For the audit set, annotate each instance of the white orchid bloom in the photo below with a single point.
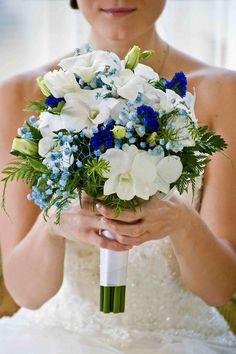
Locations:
(60, 82)
(179, 125)
(126, 83)
(146, 72)
(190, 103)
(86, 108)
(132, 173)
(45, 147)
(49, 123)
(88, 65)
(150, 95)
(167, 101)
(169, 169)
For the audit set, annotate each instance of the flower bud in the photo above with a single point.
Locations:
(152, 137)
(23, 146)
(118, 132)
(43, 87)
(132, 58)
(146, 54)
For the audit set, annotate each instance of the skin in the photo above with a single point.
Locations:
(204, 243)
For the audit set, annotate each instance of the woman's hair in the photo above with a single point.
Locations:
(73, 4)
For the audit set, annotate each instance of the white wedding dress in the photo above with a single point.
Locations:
(161, 317)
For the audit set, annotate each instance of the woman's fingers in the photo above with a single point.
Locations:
(131, 241)
(103, 242)
(132, 230)
(126, 216)
(86, 207)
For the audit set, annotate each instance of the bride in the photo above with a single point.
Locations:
(175, 281)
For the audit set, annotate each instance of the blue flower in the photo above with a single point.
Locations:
(79, 164)
(32, 120)
(52, 101)
(178, 83)
(103, 137)
(149, 117)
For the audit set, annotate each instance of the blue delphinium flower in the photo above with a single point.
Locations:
(52, 101)
(178, 83)
(103, 137)
(149, 117)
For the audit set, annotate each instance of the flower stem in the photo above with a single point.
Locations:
(117, 299)
(101, 298)
(122, 305)
(107, 299)
(112, 299)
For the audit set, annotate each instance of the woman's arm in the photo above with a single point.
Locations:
(208, 243)
(37, 257)
(33, 250)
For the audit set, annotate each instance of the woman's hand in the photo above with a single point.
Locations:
(155, 220)
(84, 224)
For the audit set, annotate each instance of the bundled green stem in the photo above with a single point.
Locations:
(112, 299)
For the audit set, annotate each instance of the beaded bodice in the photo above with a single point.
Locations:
(157, 302)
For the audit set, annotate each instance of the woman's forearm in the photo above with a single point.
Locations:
(207, 262)
(33, 270)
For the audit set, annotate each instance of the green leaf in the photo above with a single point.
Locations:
(58, 108)
(94, 177)
(37, 165)
(158, 84)
(112, 201)
(34, 131)
(209, 142)
(18, 169)
(36, 106)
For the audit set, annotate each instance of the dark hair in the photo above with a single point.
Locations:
(73, 4)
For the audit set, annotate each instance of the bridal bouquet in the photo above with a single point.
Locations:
(115, 130)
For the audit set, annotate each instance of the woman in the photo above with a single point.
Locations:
(52, 271)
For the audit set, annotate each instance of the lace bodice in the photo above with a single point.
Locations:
(157, 304)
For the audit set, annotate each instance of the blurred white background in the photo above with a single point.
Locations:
(33, 32)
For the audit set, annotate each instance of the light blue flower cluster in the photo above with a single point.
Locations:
(25, 132)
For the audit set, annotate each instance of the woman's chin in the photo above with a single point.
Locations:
(119, 35)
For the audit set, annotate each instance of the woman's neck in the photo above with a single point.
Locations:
(149, 40)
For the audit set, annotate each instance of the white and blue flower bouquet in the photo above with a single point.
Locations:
(115, 130)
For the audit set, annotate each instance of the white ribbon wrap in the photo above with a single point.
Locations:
(113, 265)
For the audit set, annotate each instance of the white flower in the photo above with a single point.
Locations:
(127, 84)
(146, 72)
(167, 101)
(132, 173)
(179, 125)
(190, 103)
(60, 82)
(88, 65)
(86, 108)
(150, 95)
(169, 169)
(45, 147)
(49, 123)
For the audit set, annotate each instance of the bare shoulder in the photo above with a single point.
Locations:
(215, 100)
(15, 93)
(23, 86)
(216, 91)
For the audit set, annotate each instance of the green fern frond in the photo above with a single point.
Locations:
(17, 170)
(112, 201)
(209, 142)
